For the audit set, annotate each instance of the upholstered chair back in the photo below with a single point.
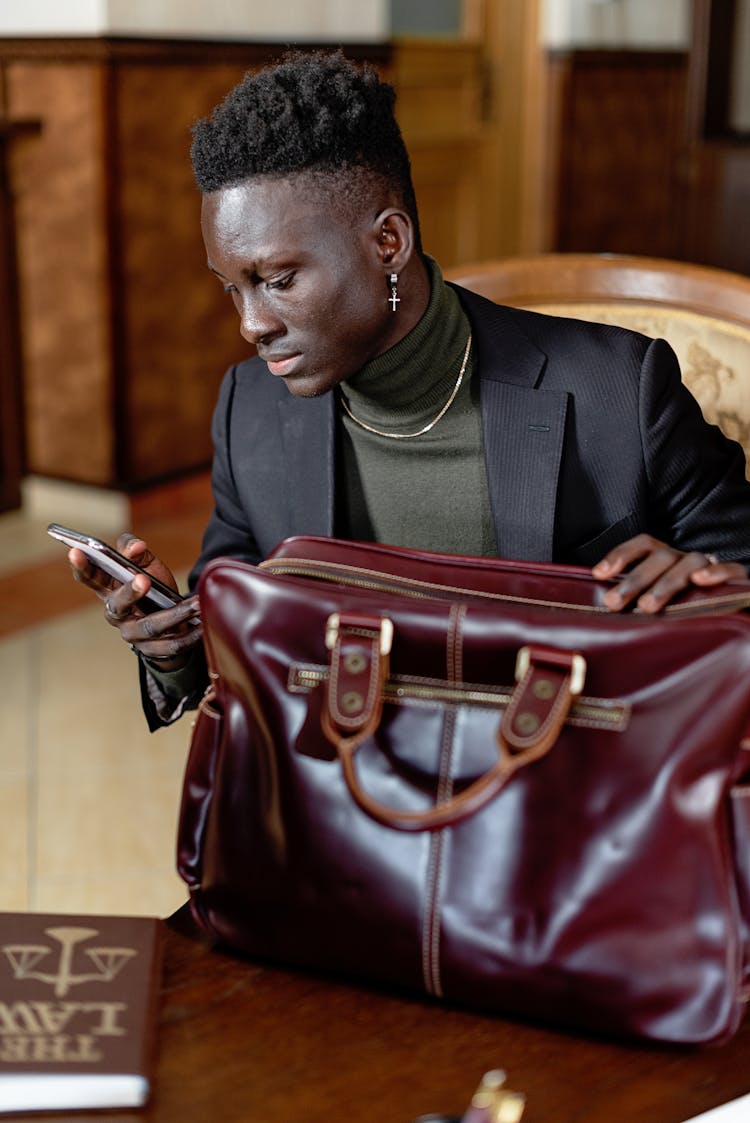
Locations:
(703, 312)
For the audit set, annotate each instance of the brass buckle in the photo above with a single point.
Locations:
(577, 669)
(333, 626)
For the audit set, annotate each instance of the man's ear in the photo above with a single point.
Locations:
(394, 238)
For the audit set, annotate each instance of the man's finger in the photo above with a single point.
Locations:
(652, 586)
(644, 578)
(718, 571)
(622, 556)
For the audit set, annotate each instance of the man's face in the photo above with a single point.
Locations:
(305, 278)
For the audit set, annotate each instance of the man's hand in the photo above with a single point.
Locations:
(167, 636)
(659, 573)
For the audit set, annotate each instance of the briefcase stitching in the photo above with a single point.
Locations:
(435, 873)
(435, 869)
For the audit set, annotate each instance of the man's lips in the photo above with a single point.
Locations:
(282, 364)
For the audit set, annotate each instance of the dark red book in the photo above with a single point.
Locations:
(78, 1005)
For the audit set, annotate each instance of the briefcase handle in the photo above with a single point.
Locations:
(547, 681)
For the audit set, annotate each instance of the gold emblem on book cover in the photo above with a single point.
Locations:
(106, 961)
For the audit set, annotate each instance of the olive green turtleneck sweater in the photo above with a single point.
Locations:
(430, 491)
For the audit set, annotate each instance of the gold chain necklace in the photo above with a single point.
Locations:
(430, 424)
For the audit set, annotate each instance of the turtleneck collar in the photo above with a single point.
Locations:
(409, 382)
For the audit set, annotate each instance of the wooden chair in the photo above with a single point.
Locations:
(703, 312)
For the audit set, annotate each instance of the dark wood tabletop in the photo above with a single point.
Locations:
(243, 1042)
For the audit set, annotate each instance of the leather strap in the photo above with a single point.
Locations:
(359, 647)
(548, 681)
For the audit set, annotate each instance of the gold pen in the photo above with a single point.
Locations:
(493, 1103)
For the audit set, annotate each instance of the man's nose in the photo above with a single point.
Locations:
(257, 321)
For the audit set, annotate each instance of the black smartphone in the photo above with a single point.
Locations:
(116, 565)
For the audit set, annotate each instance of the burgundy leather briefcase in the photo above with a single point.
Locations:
(466, 778)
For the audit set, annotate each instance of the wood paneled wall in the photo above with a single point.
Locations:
(719, 204)
(618, 137)
(638, 160)
(125, 336)
(62, 263)
(12, 436)
(718, 158)
(178, 330)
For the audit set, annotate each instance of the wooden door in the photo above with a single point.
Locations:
(471, 109)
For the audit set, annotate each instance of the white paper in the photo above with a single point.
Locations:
(736, 1111)
(43, 1092)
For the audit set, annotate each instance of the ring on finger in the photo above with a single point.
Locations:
(110, 610)
(712, 559)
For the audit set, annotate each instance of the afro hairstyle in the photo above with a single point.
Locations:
(314, 113)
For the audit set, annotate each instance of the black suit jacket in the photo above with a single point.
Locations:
(589, 438)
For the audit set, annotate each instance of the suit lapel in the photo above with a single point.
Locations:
(307, 432)
(523, 427)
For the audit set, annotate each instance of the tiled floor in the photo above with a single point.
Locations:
(88, 797)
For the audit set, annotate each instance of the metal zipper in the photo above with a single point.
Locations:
(592, 712)
(404, 586)
(373, 580)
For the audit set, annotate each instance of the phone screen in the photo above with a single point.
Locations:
(116, 565)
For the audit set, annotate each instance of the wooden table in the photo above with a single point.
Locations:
(240, 1042)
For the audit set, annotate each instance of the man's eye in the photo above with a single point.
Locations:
(281, 283)
(229, 288)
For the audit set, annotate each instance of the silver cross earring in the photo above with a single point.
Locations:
(394, 298)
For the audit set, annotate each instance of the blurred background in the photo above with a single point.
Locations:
(613, 126)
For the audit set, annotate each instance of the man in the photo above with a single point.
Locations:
(387, 405)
